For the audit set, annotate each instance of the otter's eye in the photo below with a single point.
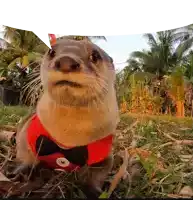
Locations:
(51, 53)
(95, 57)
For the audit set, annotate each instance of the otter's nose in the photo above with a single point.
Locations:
(67, 64)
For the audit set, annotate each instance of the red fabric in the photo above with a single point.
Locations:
(97, 151)
(52, 39)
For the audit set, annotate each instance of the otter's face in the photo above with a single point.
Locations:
(77, 73)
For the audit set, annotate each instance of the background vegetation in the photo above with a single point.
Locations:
(159, 80)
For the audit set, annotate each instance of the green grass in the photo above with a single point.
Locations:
(152, 133)
(155, 134)
(10, 115)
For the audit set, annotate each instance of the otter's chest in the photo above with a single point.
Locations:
(66, 158)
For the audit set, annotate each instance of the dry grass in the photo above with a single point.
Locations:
(160, 156)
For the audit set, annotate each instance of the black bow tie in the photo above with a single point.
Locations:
(76, 155)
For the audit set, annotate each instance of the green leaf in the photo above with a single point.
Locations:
(34, 56)
(12, 65)
(1, 73)
(149, 164)
(104, 195)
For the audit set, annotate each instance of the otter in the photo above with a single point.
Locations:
(76, 115)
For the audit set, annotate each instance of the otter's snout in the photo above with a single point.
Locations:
(67, 64)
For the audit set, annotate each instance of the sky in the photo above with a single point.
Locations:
(120, 47)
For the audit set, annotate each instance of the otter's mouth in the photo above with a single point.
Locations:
(68, 83)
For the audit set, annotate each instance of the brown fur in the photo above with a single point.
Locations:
(24, 153)
(76, 116)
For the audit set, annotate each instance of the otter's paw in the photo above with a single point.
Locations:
(20, 173)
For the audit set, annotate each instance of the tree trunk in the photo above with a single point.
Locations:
(180, 108)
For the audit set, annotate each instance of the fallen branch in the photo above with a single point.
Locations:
(7, 159)
(119, 174)
(3, 178)
(6, 135)
(169, 137)
(8, 128)
(177, 196)
(165, 145)
(130, 126)
(166, 135)
(186, 142)
(177, 142)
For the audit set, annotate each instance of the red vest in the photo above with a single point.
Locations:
(48, 152)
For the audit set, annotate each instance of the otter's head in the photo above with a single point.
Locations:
(77, 73)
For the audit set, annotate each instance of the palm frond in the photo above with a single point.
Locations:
(34, 57)
(13, 64)
(151, 40)
(3, 69)
(5, 42)
(140, 55)
(40, 48)
(184, 47)
(32, 90)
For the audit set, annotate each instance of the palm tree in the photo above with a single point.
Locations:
(25, 44)
(188, 66)
(166, 52)
(125, 76)
(188, 79)
(22, 49)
